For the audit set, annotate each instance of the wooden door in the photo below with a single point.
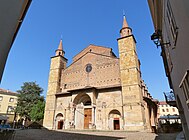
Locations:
(116, 124)
(60, 124)
(87, 117)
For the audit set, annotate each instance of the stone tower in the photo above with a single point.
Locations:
(58, 63)
(132, 98)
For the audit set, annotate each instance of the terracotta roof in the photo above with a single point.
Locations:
(60, 47)
(125, 24)
(95, 49)
(162, 103)
(5, 91)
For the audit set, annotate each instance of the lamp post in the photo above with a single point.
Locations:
(157, 38)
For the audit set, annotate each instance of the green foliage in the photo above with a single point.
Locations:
(37, 111)
(29, 95)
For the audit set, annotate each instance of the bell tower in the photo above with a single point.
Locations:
(58, 63)
(133, 110)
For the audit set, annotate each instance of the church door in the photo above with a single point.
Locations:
(60, 124)
(87, 117)
(116, 124)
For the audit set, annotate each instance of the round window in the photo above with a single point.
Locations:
(88, 68)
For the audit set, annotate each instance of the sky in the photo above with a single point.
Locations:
(80, 23)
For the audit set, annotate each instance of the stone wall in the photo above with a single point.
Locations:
(131, 84)
(105, 71)
(108, 100)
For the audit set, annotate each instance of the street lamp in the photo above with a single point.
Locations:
(156, 37)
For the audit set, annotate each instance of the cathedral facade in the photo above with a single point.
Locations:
(99, 90)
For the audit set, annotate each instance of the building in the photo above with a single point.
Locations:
(167, 112)
(99, 90)
(8, 102)
(171, 20)
(12, 14)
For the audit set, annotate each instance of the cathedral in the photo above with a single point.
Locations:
(99, 90)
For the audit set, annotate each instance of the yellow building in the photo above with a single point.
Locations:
(8, 102)
(165, 111)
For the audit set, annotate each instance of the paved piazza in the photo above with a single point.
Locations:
(43, 134)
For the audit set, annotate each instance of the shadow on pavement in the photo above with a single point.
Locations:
(166, 136)
(77, 136)
(43, 134)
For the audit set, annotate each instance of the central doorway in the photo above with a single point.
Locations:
(83, 111)
(87, 117)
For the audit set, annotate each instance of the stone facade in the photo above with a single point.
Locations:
(99, 90)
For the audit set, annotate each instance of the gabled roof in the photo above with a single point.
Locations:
(95, 49)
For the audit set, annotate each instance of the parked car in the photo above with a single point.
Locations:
(5, 127)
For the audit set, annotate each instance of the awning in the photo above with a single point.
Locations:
(169, 117)
(3, 117)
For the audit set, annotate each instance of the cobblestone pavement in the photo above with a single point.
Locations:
(43, 134)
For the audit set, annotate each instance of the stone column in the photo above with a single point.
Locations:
(93, 117)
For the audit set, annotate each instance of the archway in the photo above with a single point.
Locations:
(114, 119)
(83, 112)
(82, 98)
(60, 121)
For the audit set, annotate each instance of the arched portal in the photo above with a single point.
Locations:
(82, 98)
(59, 121)
(114, 119)
(83, 111)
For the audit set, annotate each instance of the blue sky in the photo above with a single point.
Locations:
(80, 22)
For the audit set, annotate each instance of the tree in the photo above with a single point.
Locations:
(28, 96)
(37, 111)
